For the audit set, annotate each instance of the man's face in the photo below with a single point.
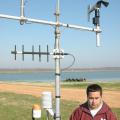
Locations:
(94, 99)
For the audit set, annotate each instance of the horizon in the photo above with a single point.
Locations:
(90, 68)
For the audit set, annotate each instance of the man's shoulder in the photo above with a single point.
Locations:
(106, 107)
(108, 111)
(82, 107)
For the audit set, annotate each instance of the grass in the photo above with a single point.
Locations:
(105, 85)
(19, 107)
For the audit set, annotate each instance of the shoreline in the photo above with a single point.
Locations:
(62, 81)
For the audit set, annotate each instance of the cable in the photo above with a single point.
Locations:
(71, 63)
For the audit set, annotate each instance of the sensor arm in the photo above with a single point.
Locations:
(50, 23)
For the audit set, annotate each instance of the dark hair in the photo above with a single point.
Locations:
(94, 88)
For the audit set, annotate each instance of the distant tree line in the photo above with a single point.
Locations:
(75, 80)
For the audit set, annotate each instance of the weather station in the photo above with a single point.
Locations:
(57, 53)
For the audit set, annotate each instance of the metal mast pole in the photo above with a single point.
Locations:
(57, 64)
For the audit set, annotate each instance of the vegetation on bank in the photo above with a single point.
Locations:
(19, 107)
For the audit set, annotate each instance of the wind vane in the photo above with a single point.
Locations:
(57, 52)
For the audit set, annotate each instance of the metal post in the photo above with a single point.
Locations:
(97, 17)
(57, 65)
(47, 114)
(22, 8)
(22, 17)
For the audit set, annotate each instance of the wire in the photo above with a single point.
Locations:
(71, 63)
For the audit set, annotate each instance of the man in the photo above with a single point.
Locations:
(95, 108)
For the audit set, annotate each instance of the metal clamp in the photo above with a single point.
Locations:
(58, 53)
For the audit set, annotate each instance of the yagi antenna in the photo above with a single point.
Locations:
(33, 53)
(39, 53)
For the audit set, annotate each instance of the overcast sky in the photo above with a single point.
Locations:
(82, 44)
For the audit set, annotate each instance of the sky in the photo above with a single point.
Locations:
(81, 44)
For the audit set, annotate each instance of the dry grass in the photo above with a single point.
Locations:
(111, 97)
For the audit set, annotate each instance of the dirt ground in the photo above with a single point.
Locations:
(110, 97)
